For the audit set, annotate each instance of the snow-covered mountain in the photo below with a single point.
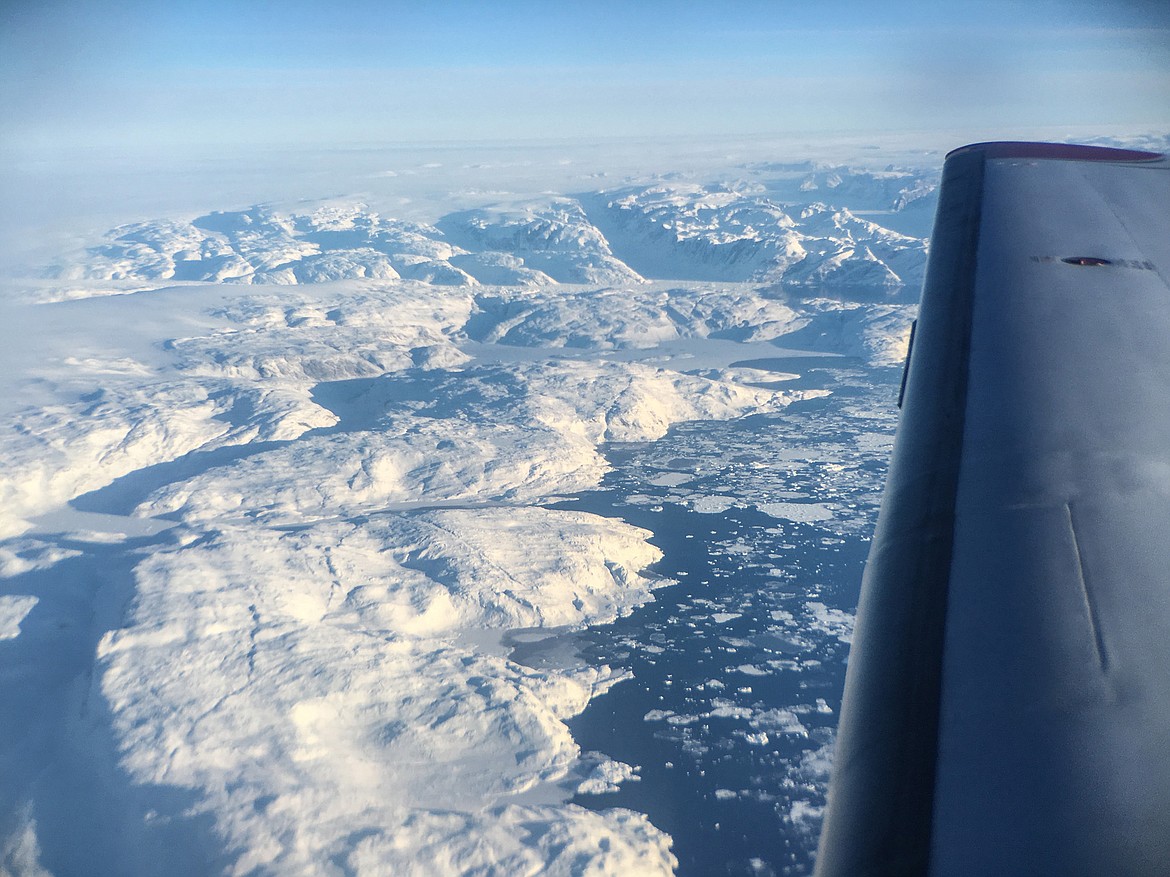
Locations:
(677, 231)
(270, 515)
(355, 481)
(857, 188)
(901, 199)
(258, 245)
(691, 231)
(554, 238)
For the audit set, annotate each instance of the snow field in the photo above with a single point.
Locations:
(306, 685)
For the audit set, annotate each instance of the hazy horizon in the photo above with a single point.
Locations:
(141, 74)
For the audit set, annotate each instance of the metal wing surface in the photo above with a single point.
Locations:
(1007, 705)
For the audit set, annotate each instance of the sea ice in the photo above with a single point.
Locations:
(797, 511)
(607, 776)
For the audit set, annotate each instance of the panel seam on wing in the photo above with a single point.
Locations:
(1091, 612)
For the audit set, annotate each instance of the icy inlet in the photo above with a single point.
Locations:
(280, 484)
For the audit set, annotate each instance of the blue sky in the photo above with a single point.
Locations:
(215, 74)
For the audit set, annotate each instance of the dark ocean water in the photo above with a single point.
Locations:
(738, 669)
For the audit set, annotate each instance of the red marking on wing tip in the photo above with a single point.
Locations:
(1064, 151)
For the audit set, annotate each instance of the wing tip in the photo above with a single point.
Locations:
(1060, 151)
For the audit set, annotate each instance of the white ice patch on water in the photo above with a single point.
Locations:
(751, 670)
(712, 505)
(834, 622)
(805, 512)
(805, 815)
(13, 611)
(727, 709)
(724, 617)
(607, 777)
(671, 479)
(778, 721)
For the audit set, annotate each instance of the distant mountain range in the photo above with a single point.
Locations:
(779, 233)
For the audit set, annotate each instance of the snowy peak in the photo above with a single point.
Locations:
(692, 232)
(554, 238)
(258, 245)
(857, 188)
(609, 319)
(538, 245)
(556, 226)
(668, 230)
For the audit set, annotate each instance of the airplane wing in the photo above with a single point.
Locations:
(1007, 703)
